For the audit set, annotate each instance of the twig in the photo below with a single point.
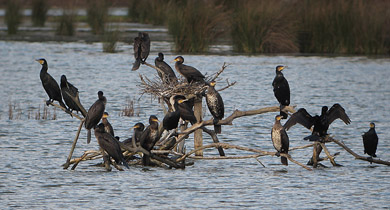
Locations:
(66, 165)
(65, 110)
(331, 159)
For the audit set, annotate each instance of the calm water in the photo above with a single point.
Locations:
(34, 150)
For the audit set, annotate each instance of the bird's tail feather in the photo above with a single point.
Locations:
(284, 161)
(89, 136)
(136, 64)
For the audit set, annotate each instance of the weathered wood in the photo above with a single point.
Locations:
(198, 138)
(315, 155)
(215, 139)
(331, 158)
(66, 165)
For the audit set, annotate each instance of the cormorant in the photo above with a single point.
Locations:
(138, 129)
(108, 143)
(188, 72)
(215, 104)
(321, 123)
(94, 114)
(169, 74)
(70, 93)
(370, 141)
(141, 49)
(281, 90)
(171, 119)
(107, 125)
(280, 139)
(50, 85)
(186, 112)
(149, 138)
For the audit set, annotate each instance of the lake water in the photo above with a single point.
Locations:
(33, 151)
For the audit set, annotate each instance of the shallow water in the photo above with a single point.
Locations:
(34, 150)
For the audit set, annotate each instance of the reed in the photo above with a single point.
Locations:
(97, 14)
(13, 16)
(263, 27)
(110, 39)
(194, 25)
(148, 11)
(129, 109)
(14, 111)
(66, 25)
(39, 12)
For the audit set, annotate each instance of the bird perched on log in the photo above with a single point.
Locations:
(172, 117)
(370, 141)
(281, 90)
(141, 49)
(94, 114)
(321, 123)
(169, 75)
(280, 139)
(138, 129)
(71, 96)
(109, 144)
(188, 72)
(107, 125)
(185, 110)
(50, 85)
(215, 104)
(149, 138)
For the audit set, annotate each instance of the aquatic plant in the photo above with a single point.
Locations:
(194, 25)
(97, 14)
(66, 25)
(39, 12)
(263, 27)
(13, 15)
(148, 11)
(129, 109)
(110, 39)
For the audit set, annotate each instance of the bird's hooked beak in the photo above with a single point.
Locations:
(39, 61)
(155, 120)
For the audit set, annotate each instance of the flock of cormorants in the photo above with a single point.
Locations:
(182, 108)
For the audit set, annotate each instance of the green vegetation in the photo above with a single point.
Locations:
(66, 25)
(97, 13)
(39, 12)
(13, 16)
(110, 38)
(148, 11)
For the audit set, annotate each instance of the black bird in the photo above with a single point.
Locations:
(215, 104)
(281, 90)
(171, 119)
(71, 96)
(94, 114)
(169, 76)
(50, 85)
(107, 125)
(370, 141)
(149, 138)
(321, 123)
(280, 139)
(141, 49)
(111, 145)
(185, 110)
(138, 129)
(188, 72)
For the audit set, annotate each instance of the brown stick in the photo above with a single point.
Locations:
(331, 158)
(359, 157)
(66, 165)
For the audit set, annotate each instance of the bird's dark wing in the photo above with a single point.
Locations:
(337, 111)
(192, 72)
(137, 47)
(302, 117)
(145, 47)
(285, 141)
(144, 139)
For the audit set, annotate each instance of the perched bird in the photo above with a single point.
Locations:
(168, 76)
(107, 125)
(281, 90)
(141, 49)
(185, 110)
(321, 123)
(149, 138)
(370, 141)
(280, 139)
(171, 119)
(94, 114)
(215, 104)
(50, 85)
(138, 129)
(71, 96)
(188, 72)
(109, 144)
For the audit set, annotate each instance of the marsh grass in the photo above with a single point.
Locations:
(262, 27)
(42, 114)
(13, 15)
(129, 109)
(14, 111)
(148, 11)
(110, 39)
(194, 25)
(39, 12)
(97, 15)
(66, 23)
